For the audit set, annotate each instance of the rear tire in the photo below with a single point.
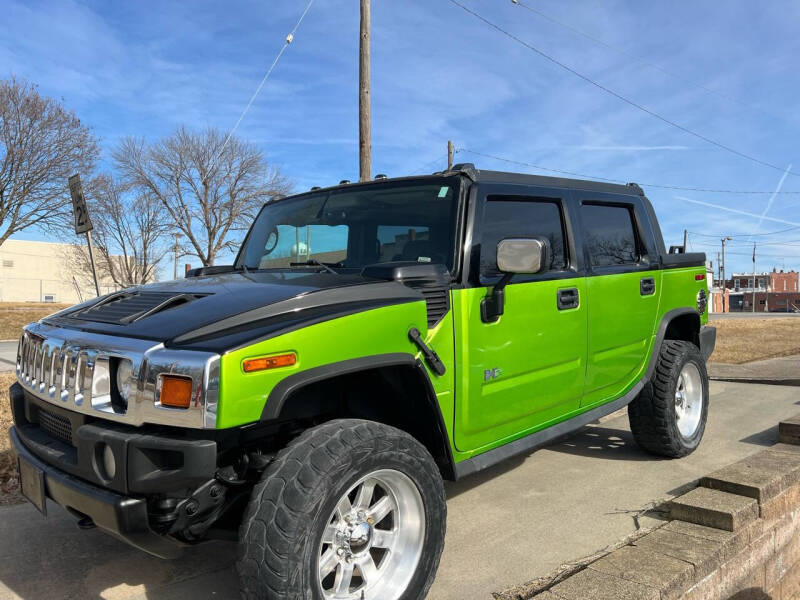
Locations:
(348, 507)
(668, 417)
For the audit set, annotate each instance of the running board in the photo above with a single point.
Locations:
(541, 438)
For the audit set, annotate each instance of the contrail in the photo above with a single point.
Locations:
(771, 198)
(738, 212)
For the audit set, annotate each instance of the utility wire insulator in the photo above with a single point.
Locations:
(289, 38)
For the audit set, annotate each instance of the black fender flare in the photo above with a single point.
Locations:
(662, 331)
(281, 393)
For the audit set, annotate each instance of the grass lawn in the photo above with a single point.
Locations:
(9, 483)
(745, 340)
(15, 315)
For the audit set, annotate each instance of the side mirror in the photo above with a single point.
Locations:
(514, 255)
(523, 255)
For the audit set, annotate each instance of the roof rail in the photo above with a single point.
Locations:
(467, 169)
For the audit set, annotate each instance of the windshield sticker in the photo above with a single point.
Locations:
(425, 259)
(443, 191)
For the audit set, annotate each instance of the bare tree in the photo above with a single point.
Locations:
(41, 145)
(210, 189)
(130, 230)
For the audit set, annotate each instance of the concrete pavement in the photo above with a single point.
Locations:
(784, 370)
(8, 355)
(511, 524)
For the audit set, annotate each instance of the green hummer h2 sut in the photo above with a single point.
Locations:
(369, 341)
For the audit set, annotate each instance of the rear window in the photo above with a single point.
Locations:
(610, 235)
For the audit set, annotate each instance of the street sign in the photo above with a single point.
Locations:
(80, 212)
(83, 224)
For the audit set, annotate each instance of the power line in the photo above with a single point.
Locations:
(710, 235)
(620, 96)
(287, 41)
(597, 178)
(426, 167)
(639, 59)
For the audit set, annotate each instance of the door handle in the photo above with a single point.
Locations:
(647, 286)
(568, 298)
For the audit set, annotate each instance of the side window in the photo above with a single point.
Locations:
(609, 235)
(517, 216)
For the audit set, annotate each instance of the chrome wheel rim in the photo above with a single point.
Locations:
(373, 539)
(689, 400)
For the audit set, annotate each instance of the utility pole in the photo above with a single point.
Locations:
(175, 270)
(685, 240)
(449, 154)
(754, 277)
(364, 105)
(722, 268)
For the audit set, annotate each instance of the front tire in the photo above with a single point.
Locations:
(668, 417)
(349, 507)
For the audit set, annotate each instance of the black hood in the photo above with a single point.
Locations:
(223, 311)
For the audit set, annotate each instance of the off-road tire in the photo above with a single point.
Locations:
(652, 414)
(288, 510)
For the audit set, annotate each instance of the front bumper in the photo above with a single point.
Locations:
(164, 484)
(121, 516)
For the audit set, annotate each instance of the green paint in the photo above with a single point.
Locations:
(379, 331)
(533, 368)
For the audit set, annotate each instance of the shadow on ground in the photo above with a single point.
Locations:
(606, 443)
(51, 558)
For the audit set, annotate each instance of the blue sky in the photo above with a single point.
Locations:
(143, 68)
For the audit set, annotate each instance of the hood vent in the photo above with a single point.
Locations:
(127, 307)
(437, 301)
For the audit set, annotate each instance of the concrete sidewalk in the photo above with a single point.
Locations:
(8, 355)
(516, 522)
(775, 371)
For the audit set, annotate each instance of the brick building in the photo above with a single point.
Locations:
(775, 291)
(776, 281)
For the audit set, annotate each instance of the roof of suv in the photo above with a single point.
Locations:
(631, 189)
(469, 170)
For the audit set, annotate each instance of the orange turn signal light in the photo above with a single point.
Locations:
(176, 391)
(262, 363)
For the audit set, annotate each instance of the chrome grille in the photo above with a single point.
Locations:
(73, 369)
(57, 426)
(50, 368)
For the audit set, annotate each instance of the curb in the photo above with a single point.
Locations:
(788, 381)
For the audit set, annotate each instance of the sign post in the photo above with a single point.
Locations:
(83, 224)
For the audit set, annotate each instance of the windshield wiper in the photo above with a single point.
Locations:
(314, 262)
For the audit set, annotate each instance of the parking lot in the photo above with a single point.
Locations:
(511, 524)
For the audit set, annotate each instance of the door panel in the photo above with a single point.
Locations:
(622, 292)
(523, 371)
(621, 323)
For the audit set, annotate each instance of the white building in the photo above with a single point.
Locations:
(41, 272)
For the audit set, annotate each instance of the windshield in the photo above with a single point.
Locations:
(359, 226)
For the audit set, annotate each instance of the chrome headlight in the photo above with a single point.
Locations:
(126, 384)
